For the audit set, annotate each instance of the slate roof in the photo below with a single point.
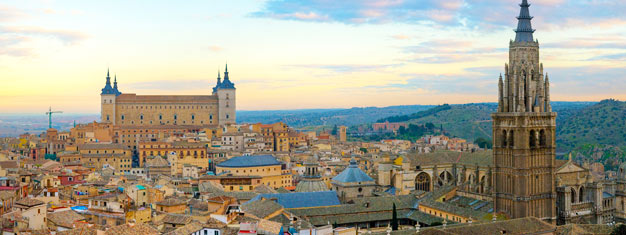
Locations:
(302, 199)
(250, 161)
(352, 174)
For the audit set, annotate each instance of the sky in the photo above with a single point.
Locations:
(300, 54)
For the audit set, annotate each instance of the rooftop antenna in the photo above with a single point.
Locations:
(49, 113)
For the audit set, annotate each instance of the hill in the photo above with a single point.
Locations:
(602, 123)
(473, 121)
(327, 117)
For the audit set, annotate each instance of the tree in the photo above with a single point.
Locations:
(364, 150)
(394, 218)
(619, 230)
(483, 143)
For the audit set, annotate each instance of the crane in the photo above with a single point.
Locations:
(49, 113)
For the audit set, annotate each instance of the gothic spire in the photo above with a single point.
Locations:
(108, 78)
(226, 73)
(115, 82)
(524, 31)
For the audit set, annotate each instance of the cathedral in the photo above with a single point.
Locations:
(127, 109)
(524, 131)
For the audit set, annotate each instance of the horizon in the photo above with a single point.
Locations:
(303, 55)
(319, 109)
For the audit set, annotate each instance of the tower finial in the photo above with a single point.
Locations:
(524, 31)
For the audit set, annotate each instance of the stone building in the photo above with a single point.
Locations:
(580, 200)
(353, 182)
(471, 171)
(524, 131)
(151, 110)
(273, 173)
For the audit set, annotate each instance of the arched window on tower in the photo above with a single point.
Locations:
(503, 137)
(141, 116)
(574, 196)
(511, 140)
(532, 139)
(542, 138)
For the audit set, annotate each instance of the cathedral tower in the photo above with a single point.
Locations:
(524, 131)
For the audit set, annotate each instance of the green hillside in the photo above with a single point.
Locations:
(602, 123)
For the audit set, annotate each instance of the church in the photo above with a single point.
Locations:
(128, 109)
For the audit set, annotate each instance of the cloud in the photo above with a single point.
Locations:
(618, 56)
(65, 36)
(481, 15)
(400, 37)
(215, 48)
(10, 13)
(346, 68)
(169, 85)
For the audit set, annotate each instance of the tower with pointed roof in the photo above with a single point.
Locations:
(524, 131)
(226, 94)
(107, 100)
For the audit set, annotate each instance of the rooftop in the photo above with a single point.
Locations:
(250, 161)
(302, 199)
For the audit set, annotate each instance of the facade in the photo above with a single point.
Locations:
(524, 132)
(104, 155)
(119, 108)
(266, 166)
(580, 200)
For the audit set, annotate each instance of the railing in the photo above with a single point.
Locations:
(581, 206)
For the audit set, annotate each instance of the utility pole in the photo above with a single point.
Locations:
(49, 113)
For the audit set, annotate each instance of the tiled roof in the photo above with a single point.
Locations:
(261, 208)
(64, 218)
(191, 228)
(302, 199)
(311, 186)
(171, 202)
(250, 161)
(352, 174)
(176, 219)
(526, 225)
(132, 229)
(29, 202)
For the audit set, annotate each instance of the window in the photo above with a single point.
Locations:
(141, 116)
(123, 116)
(217, 232)
(193, 117)
(160, 117)
(107, 117)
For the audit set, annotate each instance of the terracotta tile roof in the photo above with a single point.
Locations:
(171, 202)
(176, 219)
(65, 218)
(132, 229)
(29, 202)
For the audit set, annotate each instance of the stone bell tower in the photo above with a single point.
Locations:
(524, 131)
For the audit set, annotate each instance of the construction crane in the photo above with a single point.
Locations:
(49, 113)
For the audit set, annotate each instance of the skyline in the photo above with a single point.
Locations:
(305, 54)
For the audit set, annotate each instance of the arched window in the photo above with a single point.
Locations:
(422, 182)
(542, 138)
(123, 116)
(581, 194)
(175, 117)
(532, 139)
(160, 116)
(141, 116)
(511, 140)
(574, 195)
(503, 138)
(193, 117)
